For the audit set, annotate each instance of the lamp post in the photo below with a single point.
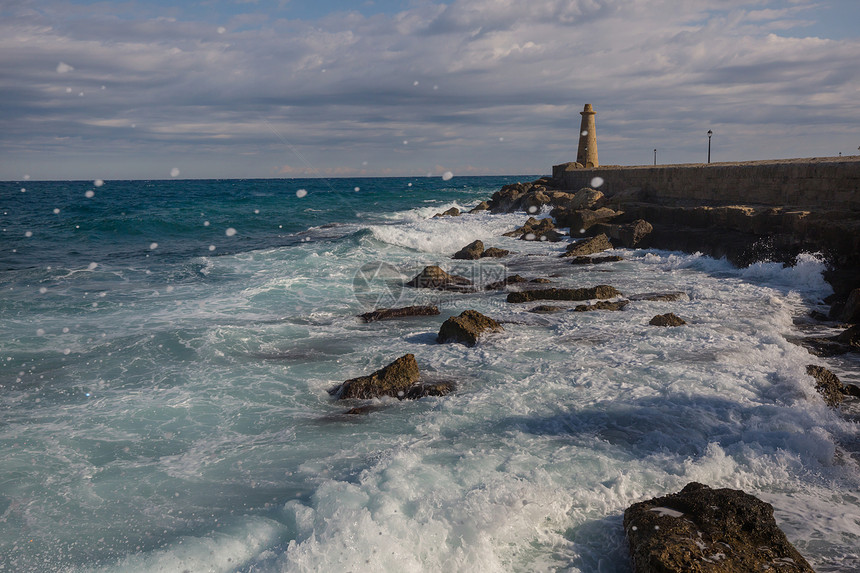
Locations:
(655, 156)
(710, 133)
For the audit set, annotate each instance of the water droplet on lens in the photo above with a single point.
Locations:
(230, 232)
(301, 193)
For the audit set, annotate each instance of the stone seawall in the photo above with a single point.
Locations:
(819, 184)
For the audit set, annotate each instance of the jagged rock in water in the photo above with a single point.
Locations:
(536, 230)
(467, 328)
(585, 198)
(482, 206)
(827, 384)
(546, 309)
(435, 278)
(596, 260)
(590, 246)
(424, 389)
(851, 337)
(597, 292)
(473, 250)
(393, 380)
(509, 197)
(387, 313)
(628, 235)
(661, 296)
(704, 530)
(602, 305)
(669, 319)
(494, 253)
(509, 280)
(581, 220)
(452, 212)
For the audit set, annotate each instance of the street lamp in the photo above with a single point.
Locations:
(710, 133)
(655, 156)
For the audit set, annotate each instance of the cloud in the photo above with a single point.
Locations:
(472, 84)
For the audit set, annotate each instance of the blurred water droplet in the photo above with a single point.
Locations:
(56, 211)
(174, 172)
(98, 182)
(90, 194)
(357, 189)
(230, 232)
(447, 176)
(596, 182)
(28, 234)
(211, 247)
(153, 246)
(92, 266)
(64, 68)
(301, 193)
(221, 29)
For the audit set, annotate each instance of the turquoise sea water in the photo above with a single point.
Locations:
(166, 347)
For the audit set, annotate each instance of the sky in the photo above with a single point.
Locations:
(328, 88)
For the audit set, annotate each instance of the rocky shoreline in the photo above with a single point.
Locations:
(697, 529)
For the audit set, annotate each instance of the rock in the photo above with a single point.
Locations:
(546, 309)
(424, 389)
(669, 319)
(661, 296)
(536, 230)
(472, 251)
(852, 390)
(510, 280)
(494, 253)
(598, 292)
(585, 198)
(452, 212)
(701, 530)
(533, 202)
(467, 328)
(851, 337)
(540, 281)
(435, 278)
(387, 313)
(362, 410)
(581, 220)
(482, 206)
(509, 197)
(628, 235)
(588, 246)
(393, 380)
(827, 384)
(596, 260)
(602, 305)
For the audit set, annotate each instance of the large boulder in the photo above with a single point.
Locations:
(602, 292)
(669, 319)
(388, 313)
(536, 230)
(585, 198)
(851, 310)
(851, 337)
(467, 328)
(602, 305)
(473, 250)
(827, 384)
(509, 197)
(434, 277)
(590, 246)
(495, 253)
(394, 380)
(482, 206)
(628, 235)
(671, 296)
(581, 260)
(452, 212)
(581, 220)
(704, 530)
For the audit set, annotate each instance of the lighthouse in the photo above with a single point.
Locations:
(586, 155)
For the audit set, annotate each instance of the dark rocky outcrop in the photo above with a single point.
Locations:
(467, 328)
(473, 250)
(581, 220)
(590, 246)
(598, 292)
(661, 296)
(536, 230)
(827, 384)
(851, 337)
(482, 206)
(596, 260)
(424, 389)
(669, 319)
(704, 530)
(546, 309)
(627, 235)
(509, 280)
(388, 313)
(495, 253)
(452, 212)
(435, 278)
(394, 380)
(602, 305)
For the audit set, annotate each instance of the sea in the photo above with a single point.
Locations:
(167, 347)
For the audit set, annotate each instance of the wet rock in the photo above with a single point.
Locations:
(581, 220)
(509, 197)
(661, 296)
(628, 235)
(546, 309)
(598, 292)
(827, 384)
(509, 280)
(708, 530)
(494, 253)
(452, 212)
(472, 251)
(393, 380)
(602, 305)
(596, 260)
(585, 198)
(362, 410)
(388, 313)
(850, 337)
(669, 319)
(540, 281)
(434, 277)
(590, 246)
(536, 230)
(467, 328)
(482, 206)
(424, 389)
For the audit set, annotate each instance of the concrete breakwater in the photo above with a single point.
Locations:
(822, 184)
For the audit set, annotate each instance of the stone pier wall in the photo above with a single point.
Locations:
(820, 184)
